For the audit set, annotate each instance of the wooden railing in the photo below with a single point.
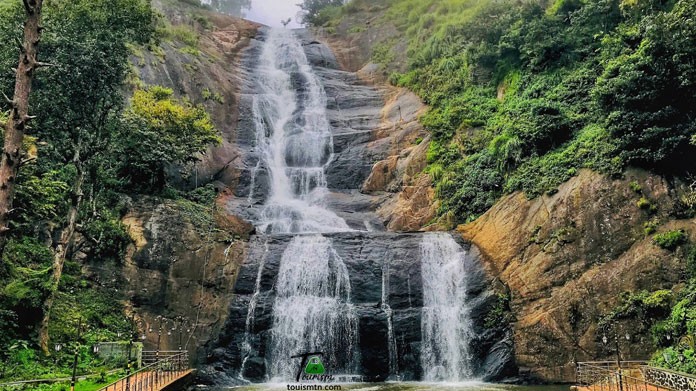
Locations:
(160, 370)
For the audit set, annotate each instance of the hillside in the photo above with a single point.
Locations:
(562, 141)
(533, 159)
(132, 151)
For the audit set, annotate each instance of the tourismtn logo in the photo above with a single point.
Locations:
(312, 368)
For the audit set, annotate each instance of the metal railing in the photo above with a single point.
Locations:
(160, 369)
(607, 376)
(152, 356)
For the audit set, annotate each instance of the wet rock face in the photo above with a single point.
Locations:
(366, 257)
(176, 268)
(373, 175)
(374, 183)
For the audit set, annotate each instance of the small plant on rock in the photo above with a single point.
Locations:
(670, 240)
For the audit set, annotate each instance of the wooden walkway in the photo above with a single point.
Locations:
(148, 381)
(166, 369)
(626, 387)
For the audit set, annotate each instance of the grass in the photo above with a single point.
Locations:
(91, 384)
(180, 33)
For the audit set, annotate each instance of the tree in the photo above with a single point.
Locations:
(312, 9)
(646, 93)
(80, 101)
(19, 117)
(159, 132)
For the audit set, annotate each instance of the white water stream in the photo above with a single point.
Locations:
(312, 310)
(446, 324)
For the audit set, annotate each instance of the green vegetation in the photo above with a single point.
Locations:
(500, 314)
(643, 305)
(675, 334)
(525, 94)
(213, 96)
(157, 122)
(667, 316)
(318, 12)
(650, 227)
(89, 151)
(670, 240)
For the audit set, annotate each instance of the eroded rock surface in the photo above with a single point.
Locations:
(566, 259)
(183, 262)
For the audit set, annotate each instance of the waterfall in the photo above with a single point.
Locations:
(312, 311)
(446, 323)
(391, 340)
(293, 139)
(309, 307)
(247, 348)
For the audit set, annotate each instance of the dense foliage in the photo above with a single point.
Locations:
(89, 150)
(524, 94)
(317, 12)
(160, 131)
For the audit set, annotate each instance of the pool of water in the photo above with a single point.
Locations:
(411, 386)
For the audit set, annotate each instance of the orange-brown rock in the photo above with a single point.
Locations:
(566, 258)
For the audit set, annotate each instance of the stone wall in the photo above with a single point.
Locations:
(668, 379)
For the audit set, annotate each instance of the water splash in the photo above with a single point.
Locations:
(446, 324)
(312, 310)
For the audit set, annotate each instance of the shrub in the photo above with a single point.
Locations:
(691, 261)
(175, 130)
(650, 227)
(670, 240)
(643, 203)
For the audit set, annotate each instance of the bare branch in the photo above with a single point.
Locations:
(39, 64)
(29, 117)
(10, 101)
(27, 161)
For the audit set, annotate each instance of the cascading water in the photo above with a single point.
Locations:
(446, 323)
(312, 311)
(293, 138)
(391, 341)
(317, 285)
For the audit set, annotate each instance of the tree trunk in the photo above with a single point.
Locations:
(19, 113)
(61, 252)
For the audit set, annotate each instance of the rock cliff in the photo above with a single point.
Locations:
(566, 258)
(185, 258)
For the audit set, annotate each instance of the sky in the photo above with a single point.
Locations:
(271, 12)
